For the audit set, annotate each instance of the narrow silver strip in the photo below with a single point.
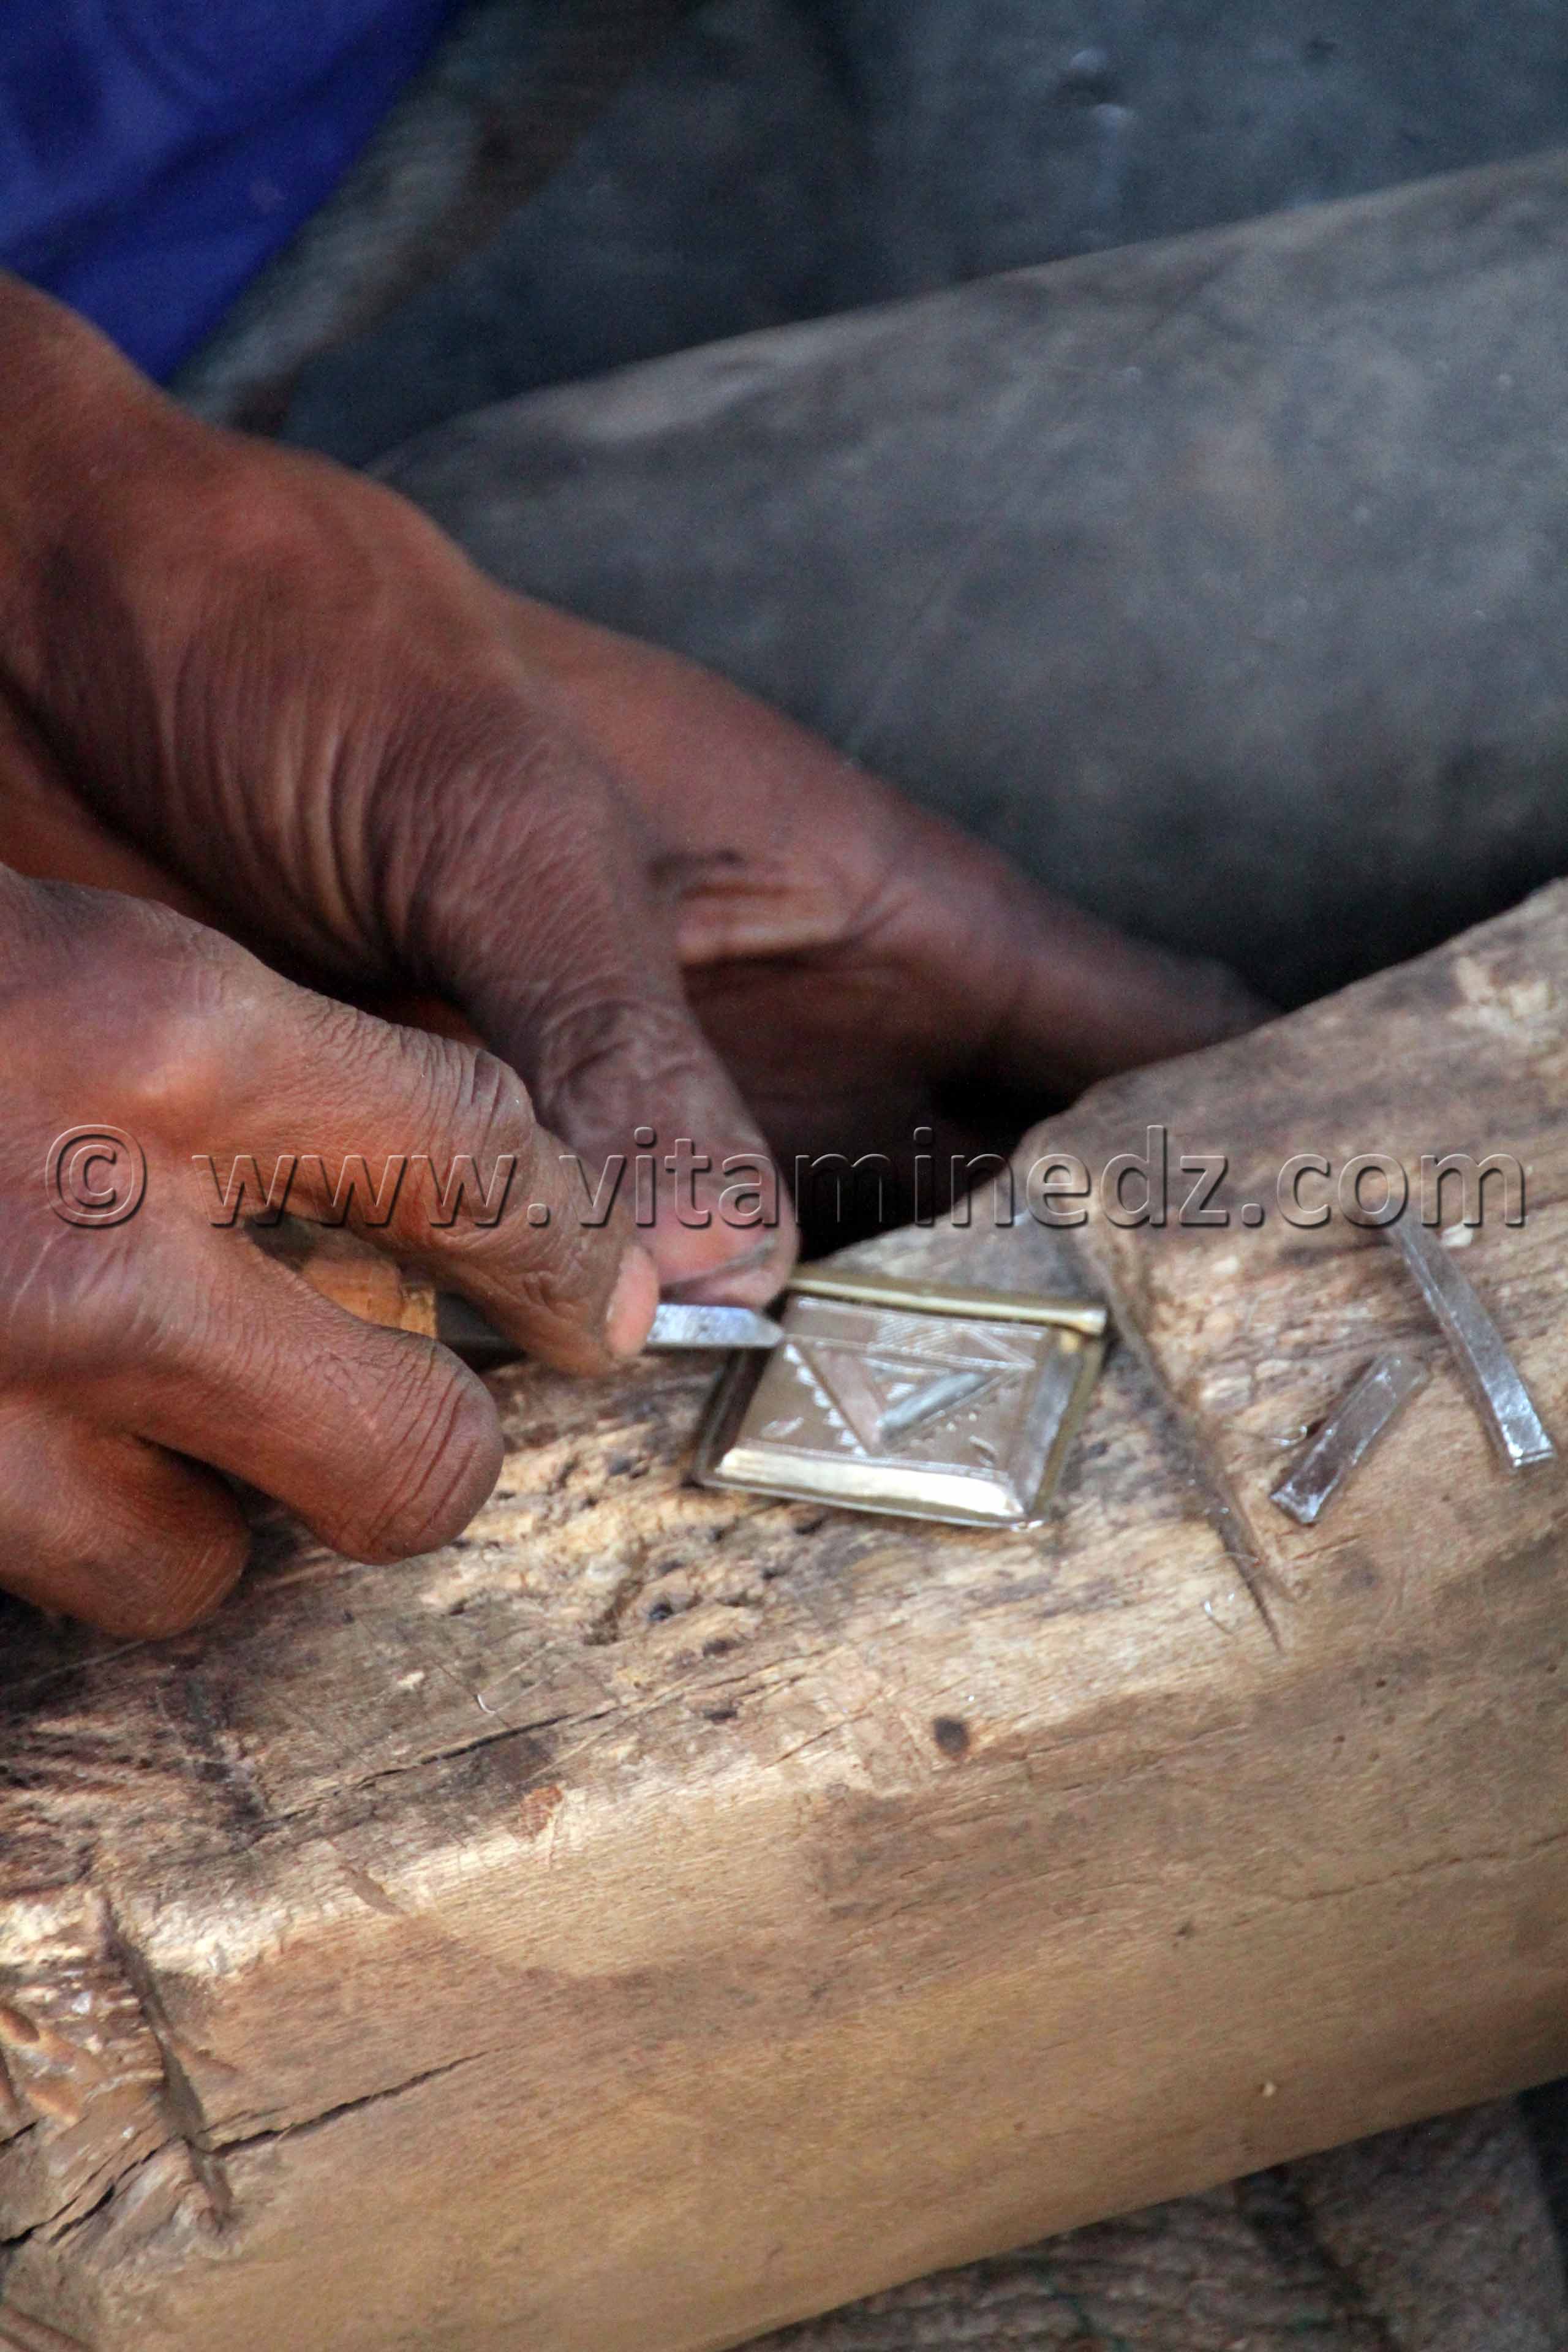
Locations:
(676, 1325)
(1496, 1385)
(1365, 1414)
(1084, 1315)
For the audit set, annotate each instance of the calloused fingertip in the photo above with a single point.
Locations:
(634, 1301)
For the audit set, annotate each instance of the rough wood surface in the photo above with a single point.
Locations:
(661, 1914)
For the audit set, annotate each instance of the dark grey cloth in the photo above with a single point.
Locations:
(1156, 571)
(787, 158)
(1220, 582)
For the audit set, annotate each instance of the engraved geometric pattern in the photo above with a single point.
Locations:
(861, 1383)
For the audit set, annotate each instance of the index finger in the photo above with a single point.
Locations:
(430, 1149)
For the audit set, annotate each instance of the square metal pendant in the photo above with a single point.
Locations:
(914, 1398)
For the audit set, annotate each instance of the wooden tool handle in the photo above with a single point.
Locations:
(341, 1266)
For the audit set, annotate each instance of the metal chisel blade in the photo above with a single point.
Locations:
(676, 1325)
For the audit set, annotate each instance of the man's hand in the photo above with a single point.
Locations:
(864, 968)
(289, 689)
(660, 907)
(139, 1356)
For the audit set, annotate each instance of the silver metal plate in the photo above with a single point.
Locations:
(926, 1402)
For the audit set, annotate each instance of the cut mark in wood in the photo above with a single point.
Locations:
(537, 1812)
(56, 2100)
(20, 2334)
(1220, 1504)
(13, 2115)
(181, 2102)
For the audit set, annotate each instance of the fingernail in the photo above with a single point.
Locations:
(629, 1316)
(750, 1278)
(719, 1260)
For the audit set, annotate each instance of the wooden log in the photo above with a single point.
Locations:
(662, 1914)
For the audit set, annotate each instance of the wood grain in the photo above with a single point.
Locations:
(661, 1914)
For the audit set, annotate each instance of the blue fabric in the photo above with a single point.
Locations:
(154, 154)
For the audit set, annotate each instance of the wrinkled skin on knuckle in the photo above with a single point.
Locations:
(538, 868)
(609, 1063)
(480, 1158)
(81, 1308)
(439, 1454)
(570, 1286)
(487, 1109)
(311, 1041)
(593, 889)
(474, 1109)
(470, 782)
(276, 655)
(429, 1094)
(157, 1009)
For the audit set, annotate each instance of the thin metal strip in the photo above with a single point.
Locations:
(679, 1326)
(1361, 1418)
(1081, 1315)
(1496, 1384)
